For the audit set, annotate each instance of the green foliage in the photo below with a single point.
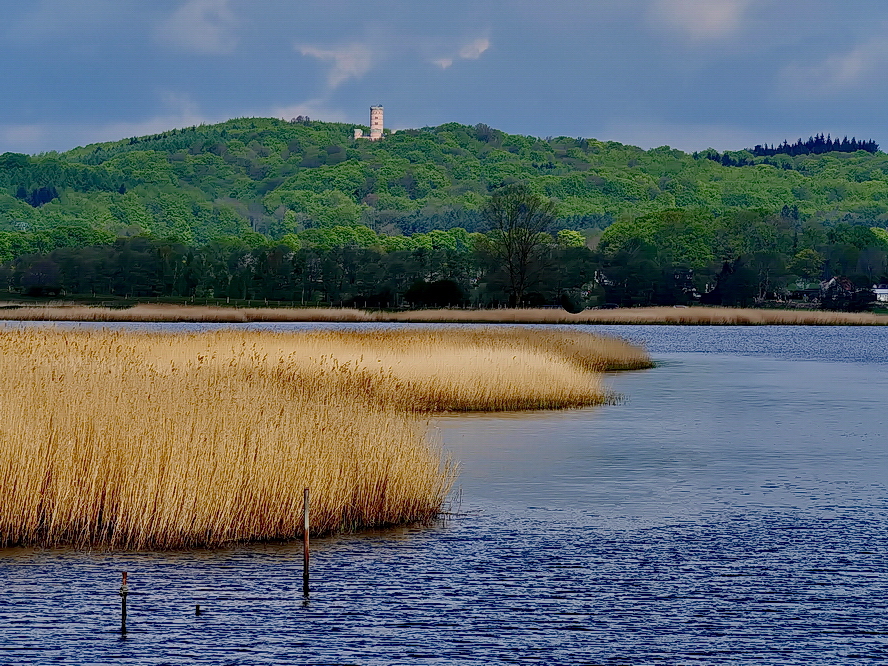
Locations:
(247, 173)
(142, 168)
(859, 237)
(518, 219)
(570, 238)
(327, 238)
(18, 243)
(327, 208)
(683, 238)
(881, 235)
(807, 263)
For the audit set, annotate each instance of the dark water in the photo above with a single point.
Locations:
(733, 510)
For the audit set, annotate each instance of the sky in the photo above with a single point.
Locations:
(690, 74)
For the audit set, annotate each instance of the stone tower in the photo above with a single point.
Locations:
(375, 123)
(376, 127)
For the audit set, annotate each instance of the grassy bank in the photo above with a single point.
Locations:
(703, 316)
(125, 440)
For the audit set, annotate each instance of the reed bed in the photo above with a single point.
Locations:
(124, 440)
(691, 316)
(145, 312)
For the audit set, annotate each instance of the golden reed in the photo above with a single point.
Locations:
(124, 440)
(704, 316)
(182, 313)
(690, 316)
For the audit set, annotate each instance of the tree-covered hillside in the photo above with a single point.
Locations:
(302, 212)
(278, 178)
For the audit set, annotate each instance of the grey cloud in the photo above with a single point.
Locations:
(471, 50)
(701, 19)
(857, 68)
(346, 62)
(204, 26)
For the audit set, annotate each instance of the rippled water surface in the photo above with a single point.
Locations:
(734, 509)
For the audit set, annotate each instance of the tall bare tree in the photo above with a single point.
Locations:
(519, 219)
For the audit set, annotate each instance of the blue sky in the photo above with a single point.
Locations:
(686, 73)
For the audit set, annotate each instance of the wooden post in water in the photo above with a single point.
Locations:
(305, 545)
(124, 590)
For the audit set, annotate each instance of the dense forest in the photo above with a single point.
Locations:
(665, 258)
(815, 145)
(299, 210)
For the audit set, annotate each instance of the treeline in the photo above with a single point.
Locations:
(14, 244)
(345, 274)
(816, 145)
(668, 258)
(681, 256)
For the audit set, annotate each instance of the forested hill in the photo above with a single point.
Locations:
(275, 177)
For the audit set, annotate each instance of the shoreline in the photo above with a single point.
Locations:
(671, 316)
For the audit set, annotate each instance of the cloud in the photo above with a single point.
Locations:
(854, 69)
(348, 62)
(473, 50)
(470, 51)
(20, 137)
(204, 26)
(700, 19)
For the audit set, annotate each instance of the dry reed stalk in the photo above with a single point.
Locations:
(132, 440)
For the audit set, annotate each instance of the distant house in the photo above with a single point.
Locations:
(837, 287)
(840, 293)
(881, 291)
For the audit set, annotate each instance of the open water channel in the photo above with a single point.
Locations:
(733, 509)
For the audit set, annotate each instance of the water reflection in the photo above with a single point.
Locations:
(697, 433)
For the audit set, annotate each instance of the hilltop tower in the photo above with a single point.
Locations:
(375, 123)
(376, 127)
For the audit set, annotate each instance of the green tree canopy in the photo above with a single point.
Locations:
(518, 219)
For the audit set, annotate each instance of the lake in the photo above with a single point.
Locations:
(733, 508)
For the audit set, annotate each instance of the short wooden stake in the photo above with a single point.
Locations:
(124, 590)
(305, 544)
(197, 609)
